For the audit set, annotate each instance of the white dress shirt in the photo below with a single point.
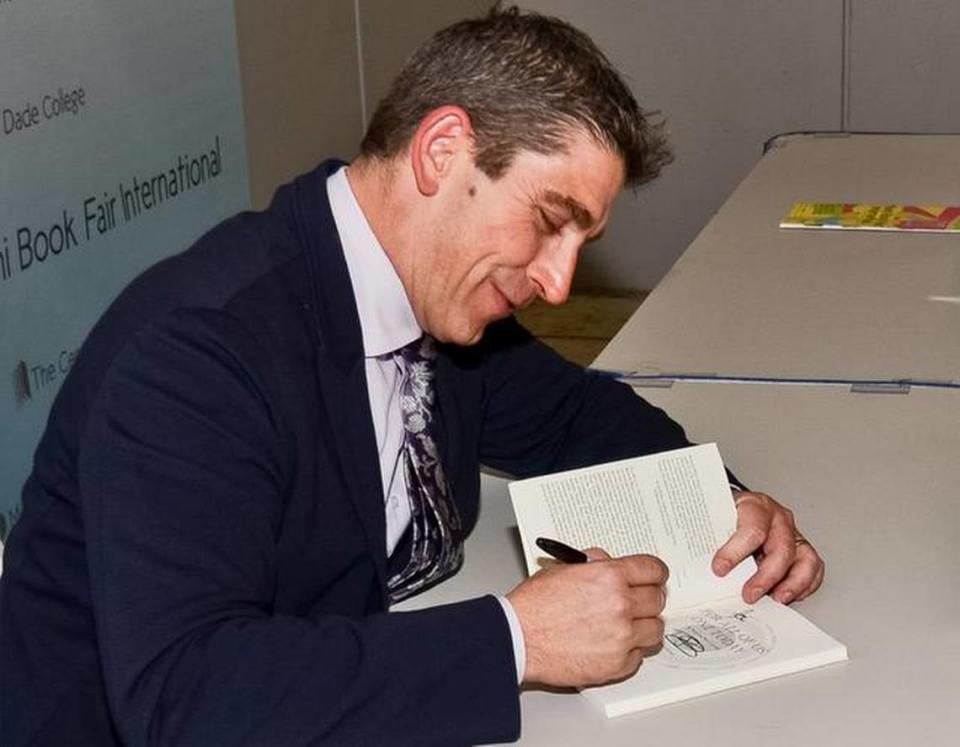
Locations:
(387, 323)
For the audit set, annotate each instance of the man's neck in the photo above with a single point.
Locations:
(387, 194)
(376, 188)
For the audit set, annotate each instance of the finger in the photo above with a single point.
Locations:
(631, 663)
(779, 556)
(596, 553)
(648, 633)
(643, 570)
(817, 581)
(801, 576)
(646, 601)
(753, 525)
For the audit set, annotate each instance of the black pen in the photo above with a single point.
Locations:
(560, 551)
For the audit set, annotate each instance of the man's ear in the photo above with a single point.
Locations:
(441, 135)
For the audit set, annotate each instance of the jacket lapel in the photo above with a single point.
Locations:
(341, 372)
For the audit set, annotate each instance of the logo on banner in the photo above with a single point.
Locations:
(21, 383)
(30, 379)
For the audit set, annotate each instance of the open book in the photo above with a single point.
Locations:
(675, 505)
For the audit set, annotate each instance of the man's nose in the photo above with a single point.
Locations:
(552, 269)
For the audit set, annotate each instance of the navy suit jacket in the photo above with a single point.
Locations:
(201, 555)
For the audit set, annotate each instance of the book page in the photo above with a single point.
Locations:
(675, 505)
(721, 645)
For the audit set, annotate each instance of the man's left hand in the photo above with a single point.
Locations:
(789, 567)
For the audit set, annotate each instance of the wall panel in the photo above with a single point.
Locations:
(903, 63)
(300, 72)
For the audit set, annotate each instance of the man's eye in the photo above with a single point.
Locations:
(549, 225)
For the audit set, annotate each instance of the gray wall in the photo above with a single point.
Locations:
(726, 74)
(298, 64)
(312, 71)
(902, 66)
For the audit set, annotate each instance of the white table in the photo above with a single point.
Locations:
(875, 482)
(750, 298)
(874, 478)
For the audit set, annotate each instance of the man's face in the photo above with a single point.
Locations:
(495, 246)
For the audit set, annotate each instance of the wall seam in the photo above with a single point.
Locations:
(361, 79)
(846, 28)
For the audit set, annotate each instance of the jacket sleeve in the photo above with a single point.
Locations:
(543, 413)
(183, 470)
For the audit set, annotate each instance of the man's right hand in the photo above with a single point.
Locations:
(590, 623)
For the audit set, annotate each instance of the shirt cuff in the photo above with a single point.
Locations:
(516, 634)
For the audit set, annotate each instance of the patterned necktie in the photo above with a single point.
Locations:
(436, 547)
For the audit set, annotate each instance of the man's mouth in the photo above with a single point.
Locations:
(514, 300)
(510, 305)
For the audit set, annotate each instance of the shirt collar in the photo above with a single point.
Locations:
(387, 321)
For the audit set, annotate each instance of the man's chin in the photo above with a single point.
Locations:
(469, 336)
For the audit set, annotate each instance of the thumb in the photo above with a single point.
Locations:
(596, 553)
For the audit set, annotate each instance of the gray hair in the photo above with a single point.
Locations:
(527, 81)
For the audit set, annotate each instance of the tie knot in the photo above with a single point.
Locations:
(421, 350)
(416, 360)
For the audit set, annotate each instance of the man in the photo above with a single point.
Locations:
(258, 449)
